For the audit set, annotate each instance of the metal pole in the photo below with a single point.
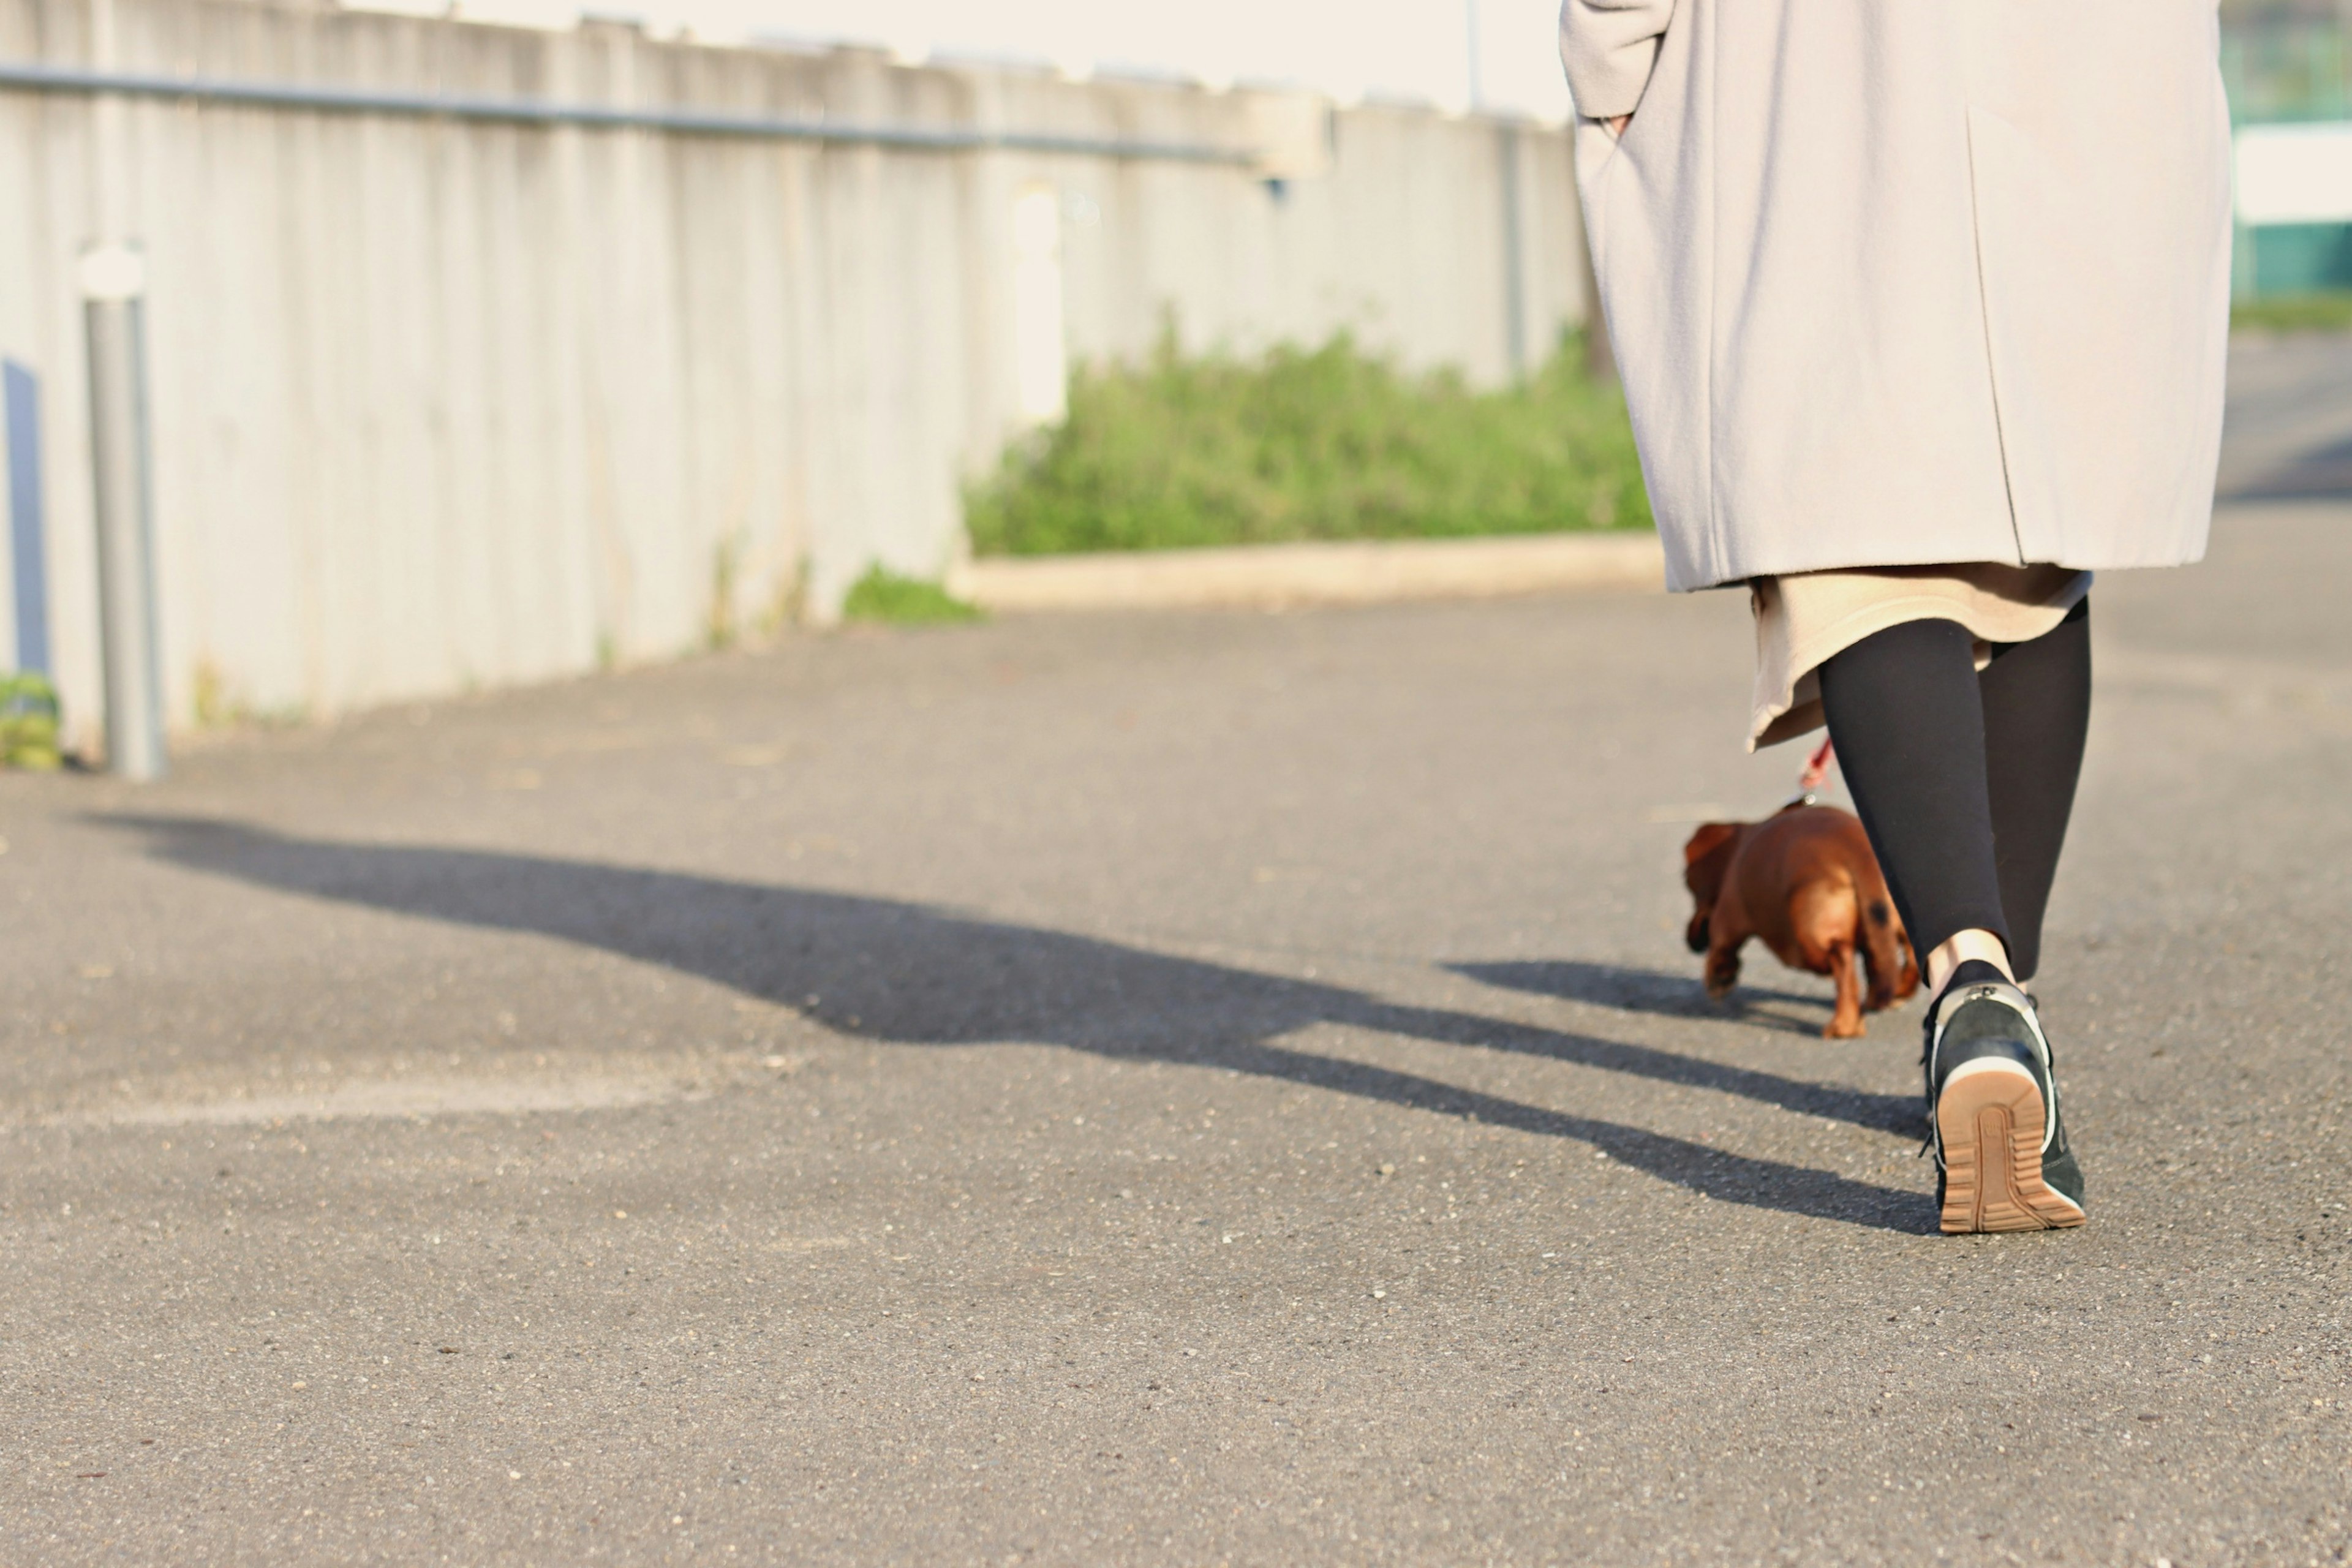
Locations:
(27, 530)
(113, 281)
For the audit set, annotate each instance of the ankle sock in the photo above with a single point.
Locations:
(1971, 971)
(1976, 972)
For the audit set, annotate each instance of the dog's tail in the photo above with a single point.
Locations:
(1885, 952)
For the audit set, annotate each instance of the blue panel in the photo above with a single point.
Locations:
(27, 542)
(2303, 259)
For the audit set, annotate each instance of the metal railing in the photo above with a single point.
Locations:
(34, 77)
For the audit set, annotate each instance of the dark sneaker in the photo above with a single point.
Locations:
(2000, 1148)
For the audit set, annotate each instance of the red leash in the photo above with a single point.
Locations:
(1815, 772)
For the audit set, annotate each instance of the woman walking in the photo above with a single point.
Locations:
(1921, 311)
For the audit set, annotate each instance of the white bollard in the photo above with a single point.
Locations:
(113, 284)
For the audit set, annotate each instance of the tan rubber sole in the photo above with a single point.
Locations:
(1991, 1120)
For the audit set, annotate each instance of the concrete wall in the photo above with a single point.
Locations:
(440, 403)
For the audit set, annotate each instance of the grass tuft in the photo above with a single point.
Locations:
(2324, 313)
(28, 723)
(884, 595)
(1333, 442)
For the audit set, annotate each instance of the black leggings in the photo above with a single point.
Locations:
(1964, 779)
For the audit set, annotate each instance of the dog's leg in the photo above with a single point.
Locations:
(1724, 941)
(1845, 1023)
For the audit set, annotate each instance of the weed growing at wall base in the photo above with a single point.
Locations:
(28, 723)
(2325, 313)
(884, 595)
(1327, 443)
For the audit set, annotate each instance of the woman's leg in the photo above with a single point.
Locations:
(1937, 760)
(2037, 711)
(1964, 781)
(1908, 719)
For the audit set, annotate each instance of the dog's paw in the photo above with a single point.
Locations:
(1844, 1030)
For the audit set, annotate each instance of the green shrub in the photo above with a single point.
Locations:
(28, 723)
(2326, 312)
(1327, 443)
(884, 595)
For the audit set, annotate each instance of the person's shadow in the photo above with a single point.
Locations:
(1630, 990)
(905, 974)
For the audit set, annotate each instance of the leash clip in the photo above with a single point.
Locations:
(1809, 783)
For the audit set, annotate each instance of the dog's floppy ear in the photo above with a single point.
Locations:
(1706, 858)
(1710, 837)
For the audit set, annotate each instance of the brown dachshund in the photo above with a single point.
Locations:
(1805, 883)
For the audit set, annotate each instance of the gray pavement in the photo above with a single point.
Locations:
(1159, 1090)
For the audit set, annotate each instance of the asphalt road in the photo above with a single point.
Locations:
(1159, 1090)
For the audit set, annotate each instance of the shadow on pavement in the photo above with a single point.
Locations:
(1630, 990)
(2321, 473)
(905, 974)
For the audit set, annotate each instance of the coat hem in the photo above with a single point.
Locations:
(1740, 574)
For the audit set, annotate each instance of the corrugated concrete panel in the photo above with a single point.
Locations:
(441, 403)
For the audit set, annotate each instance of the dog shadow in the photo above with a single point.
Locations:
(1656, 991)
(908, 973)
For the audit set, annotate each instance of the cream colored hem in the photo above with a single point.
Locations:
(1804, 618)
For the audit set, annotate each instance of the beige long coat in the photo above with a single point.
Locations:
(1903, 282)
